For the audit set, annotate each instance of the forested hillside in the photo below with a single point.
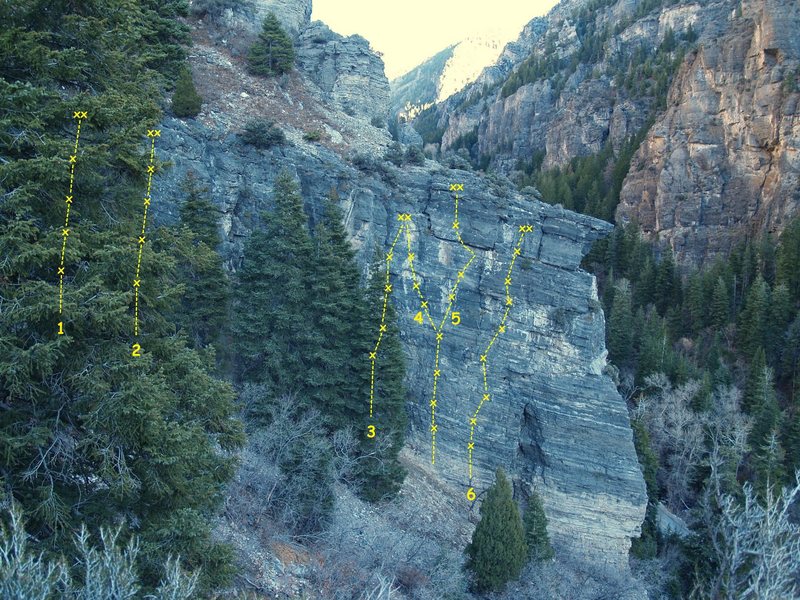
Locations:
(119, 420)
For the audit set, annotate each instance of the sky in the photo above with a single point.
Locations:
(408, 32)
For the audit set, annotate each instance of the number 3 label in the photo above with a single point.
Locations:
(370, 431)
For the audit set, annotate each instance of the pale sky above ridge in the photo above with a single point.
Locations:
(408, 32)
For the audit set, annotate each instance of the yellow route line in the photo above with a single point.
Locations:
(141, 238)
(501, 328)
(387, 290)
(452, 295)
(70, 198)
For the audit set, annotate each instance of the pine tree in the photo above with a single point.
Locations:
(186, 102)
(667, 284)
(752, 329)
(758, 384)
(788, 257)
(497, 551)
(720, 305)
(780, 314)
(205, 303)
(696, 302)
(620, 333)
(383, 474)
(273, 52)
(273, 314)
(88, 433)
(535, 524)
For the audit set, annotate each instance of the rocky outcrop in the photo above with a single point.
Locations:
(552, 407)
(723, 162)
(245, 17)
(346, 69)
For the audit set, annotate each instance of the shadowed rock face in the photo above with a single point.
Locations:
(723, 162)
(555, 420)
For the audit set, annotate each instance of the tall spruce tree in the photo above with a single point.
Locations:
(497, 551)
(273, 311)
(752, 328)
(205, 304)
(273, 52)
(186, 102)
(620, 333)
(720, 305)
(535, 524)
(88, 433)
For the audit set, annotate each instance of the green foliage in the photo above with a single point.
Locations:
(263, 134)
(186, 102)
(205, 304)
(212, 8)
(497, 551)
(88, 434)
(427, 124)
(646, 545)
(620, 333)
(304, 326)
(414, 155)
(312, 136)
(535, 524)
(273, 53)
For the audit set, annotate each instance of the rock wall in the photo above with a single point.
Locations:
(348, 72)
(723, 162)
(555, 420)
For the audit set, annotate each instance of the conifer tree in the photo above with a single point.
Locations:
(273, 313)
(720, 305)
(535, 524)
(620, 332)
(383, 474)
(273, 52)
(787, 259)
(205, 305)
(186, 102)
(752, 329)
(88, 433)
(758, 384)
(497, 551)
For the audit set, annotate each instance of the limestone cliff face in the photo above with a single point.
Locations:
(346, 70)
(555, 420)
(723, 162)
(575, 111)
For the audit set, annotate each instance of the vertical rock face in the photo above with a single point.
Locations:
(348, 72)
(246, 16)
(723, 162)
(554, 419)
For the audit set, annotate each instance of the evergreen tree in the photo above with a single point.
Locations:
(205, 303)
(787, 259)
(758, 385)
(497, 551)
(88, 433)
(696, 302)
(645, 546)
(620, 333)
(273, 52)
(186, 102)
(667, 284)
(535, 524)
(273, 313)
(780, 314)
(752, 329)
(382, 473)
(720, 305)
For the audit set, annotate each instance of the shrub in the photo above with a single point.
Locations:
(414, 155)
(212, 8)
(263, 133)
(186, 102)
(378, 122)
(312, 136)
(394, 154)
(273, 52)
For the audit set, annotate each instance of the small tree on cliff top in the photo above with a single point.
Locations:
(273, 52)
